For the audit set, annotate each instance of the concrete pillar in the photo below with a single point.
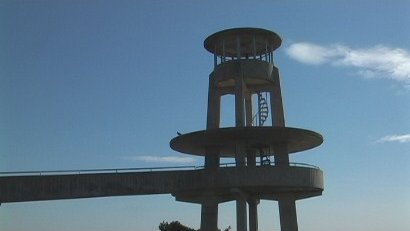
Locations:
(240, 155)
(209, 216)
(248, 108)
(241, 217)
(253, 213)
(214, 105)
(287, 214)
(238, 47)
(278, 117)
(250, 155)
(239, 101)
(213, 120)
(281, 155)
(250, 159)
(212, 159)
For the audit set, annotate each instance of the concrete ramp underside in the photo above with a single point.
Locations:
(187, 185)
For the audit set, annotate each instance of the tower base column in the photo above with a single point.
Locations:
(209, 216)
(241, 218)
(287, 213)
(241, 214)
(253, 213)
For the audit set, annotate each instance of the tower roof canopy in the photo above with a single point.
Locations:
(252, 41)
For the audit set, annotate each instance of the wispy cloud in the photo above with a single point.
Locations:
(395, 138)
(377, 61)
(310, 53)
(161, 159)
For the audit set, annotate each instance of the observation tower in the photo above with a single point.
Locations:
(260, 142)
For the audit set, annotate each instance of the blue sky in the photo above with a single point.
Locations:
(106, 84)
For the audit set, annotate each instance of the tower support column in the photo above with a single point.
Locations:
(239, 101)
(251, 159)
(209, 216)
(212, 159)
(213, 119)
(253, 213)
(240, 155)
(287, 214)
(248, 107)
(281, 155)
(241, 214)
(278, 117)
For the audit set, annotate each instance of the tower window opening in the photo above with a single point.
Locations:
(264, 158)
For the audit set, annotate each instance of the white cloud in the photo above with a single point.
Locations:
(161, 159)
(378, 61)
(395, 138)
(310, 53)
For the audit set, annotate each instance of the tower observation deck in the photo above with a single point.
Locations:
(244, 67)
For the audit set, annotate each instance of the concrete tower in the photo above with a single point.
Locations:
(244, 67)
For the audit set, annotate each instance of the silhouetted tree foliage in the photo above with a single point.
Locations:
(177, 226)
(174, 226)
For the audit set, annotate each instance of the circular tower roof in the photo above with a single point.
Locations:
(252, 41)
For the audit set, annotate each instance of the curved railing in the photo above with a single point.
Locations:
(102, 170)
(292, 164)
(125, 170)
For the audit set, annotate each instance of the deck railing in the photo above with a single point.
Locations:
(130, 170)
